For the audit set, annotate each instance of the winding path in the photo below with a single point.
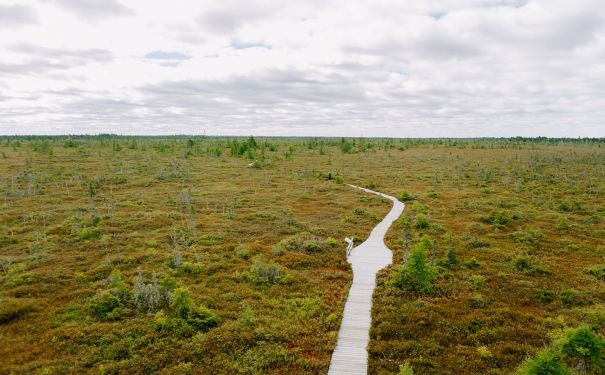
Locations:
(350, 355)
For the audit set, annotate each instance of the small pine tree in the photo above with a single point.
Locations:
(585, 346)
(452, 257)
(417, 274)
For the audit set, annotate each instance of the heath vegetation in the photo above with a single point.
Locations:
(226, 255)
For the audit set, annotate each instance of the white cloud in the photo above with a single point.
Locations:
(14, 16)
(373, 68)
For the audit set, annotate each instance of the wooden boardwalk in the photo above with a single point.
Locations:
(351, 356)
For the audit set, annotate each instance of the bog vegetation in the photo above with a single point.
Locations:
(185, 255)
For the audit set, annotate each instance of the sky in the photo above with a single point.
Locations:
(448, 68)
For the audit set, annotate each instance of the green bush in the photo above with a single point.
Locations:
(530, 236)
(497, 219)
(90, 234)
(522, 262)
(186, 317)
(568, 297)
(545, 296)
(105, 306)
(585, 346)
(202, 318)
(597, 271)
(421, 222)
(406, 197)
(406, 369)
(472, 263)
(243, 252)
(548, 361)
(266, 273)
(192, 268)
(331, 242)
(416, 274)
(477, 243)
(22, 278)
(301, 242)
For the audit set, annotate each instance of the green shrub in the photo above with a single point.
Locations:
(452, 258)
(568, 297)
(21, 278)
(597, 271)
(266, 273)
(202, 318)
(192, 268)
(105, 306)
(497, 219)
(570, 206)
(416, 274)
(421, 222)
(242, 251)
(522, 262)
(339, 180)
(472, 263)
(192, 318)
(477, 243)
(531, 236)
(406, 197)
(331, 242)
(406, 369)
(548, 361)
(301, 242)
(360, 212)
(90, 234)
(545, 296)
(585, 346)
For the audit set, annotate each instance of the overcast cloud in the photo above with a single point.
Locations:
(362, 68)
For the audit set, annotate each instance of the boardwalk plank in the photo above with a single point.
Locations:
(350, 356)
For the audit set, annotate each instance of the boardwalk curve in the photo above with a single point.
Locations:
(351, 356)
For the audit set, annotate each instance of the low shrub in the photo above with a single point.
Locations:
(90, 233)
(530, 236)
(545, 296)
(303, 242)
(548, 361)
(421, 222)
(569, 297)
(105, 306)
(405, 369)
(497, 219)
(186, 318)
(597, 271)
(522, 262)
(266, 273)
(477, 243)
(472, 263)
(243, 252)
(406, 197)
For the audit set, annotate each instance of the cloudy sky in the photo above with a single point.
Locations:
(314, 67)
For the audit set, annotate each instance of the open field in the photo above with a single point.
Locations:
(186, 255)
